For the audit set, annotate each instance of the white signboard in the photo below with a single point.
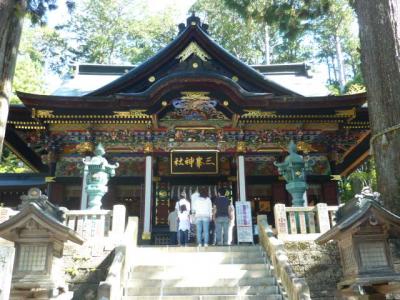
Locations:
(243, 222)
(6, 266)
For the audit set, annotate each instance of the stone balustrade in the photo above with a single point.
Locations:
(87, 223)
(295, 287)
(118, 273)
(303, 223)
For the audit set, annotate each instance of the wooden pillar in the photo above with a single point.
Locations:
(241, 177)
(84, 196)
(148, 193)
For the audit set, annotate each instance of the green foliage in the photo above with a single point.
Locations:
(128, 34)
(365, 175)
(12, 164)
(29, 71)
(292, 18)
(307, 30)
(246, 33)
(37, 9)
(243, 38)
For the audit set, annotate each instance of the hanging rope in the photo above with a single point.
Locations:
(383, 134)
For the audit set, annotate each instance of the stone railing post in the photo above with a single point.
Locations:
(118, 220)
(323, 217)
(281, 223)
(6, 268)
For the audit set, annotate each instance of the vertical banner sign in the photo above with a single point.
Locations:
(244, 224)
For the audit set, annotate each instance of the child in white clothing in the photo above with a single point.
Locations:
(184, 224)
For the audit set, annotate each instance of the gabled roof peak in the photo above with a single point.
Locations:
(193, 20)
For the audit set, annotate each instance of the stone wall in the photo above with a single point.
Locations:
(318, 265)
(85, 266)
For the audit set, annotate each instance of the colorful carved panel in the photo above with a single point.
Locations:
(130, 166)
(162, 203)
(260, 166)
(321, 166)
(194, 107)
(71, 166)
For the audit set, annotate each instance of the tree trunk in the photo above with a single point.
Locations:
(339, 58)
(334, 68)
(380, 56)
(267, 52)
(329, 69)
(11, 19)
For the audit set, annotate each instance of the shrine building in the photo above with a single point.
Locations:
(192, 115)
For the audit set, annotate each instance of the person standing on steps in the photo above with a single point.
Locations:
(222, 217)
(184, 225)
(173, 226)
(203, 213)
(182, 201)
(231, 213)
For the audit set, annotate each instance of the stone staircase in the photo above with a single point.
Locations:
(189, 273)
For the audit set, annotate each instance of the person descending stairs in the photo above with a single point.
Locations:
(202, 273)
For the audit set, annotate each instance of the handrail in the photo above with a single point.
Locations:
(112, 287)
(295, 287)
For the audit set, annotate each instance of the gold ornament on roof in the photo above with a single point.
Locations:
(194, 49)
(42, 113)
(195, 96)
(346, 113)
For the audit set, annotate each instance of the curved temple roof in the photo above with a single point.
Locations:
(192, 59)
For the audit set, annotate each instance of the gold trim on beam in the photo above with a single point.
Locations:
(346, 113)
(154, 120)
(20, 156)
(364, 136)
(355, 164)
(270, 150)
(194, 128)
(235, 120)
(258, 114)
(133, 113)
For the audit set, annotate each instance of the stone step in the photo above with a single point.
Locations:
(214, 255)
(198, 291)
(222, 272)
(195, 281)
(204, 297)
(206, 268)
(194, 248)
(200, 259)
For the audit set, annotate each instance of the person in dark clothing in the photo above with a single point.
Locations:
(221, 208)
(213, 236)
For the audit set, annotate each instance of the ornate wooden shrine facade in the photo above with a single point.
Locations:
(227, 117)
